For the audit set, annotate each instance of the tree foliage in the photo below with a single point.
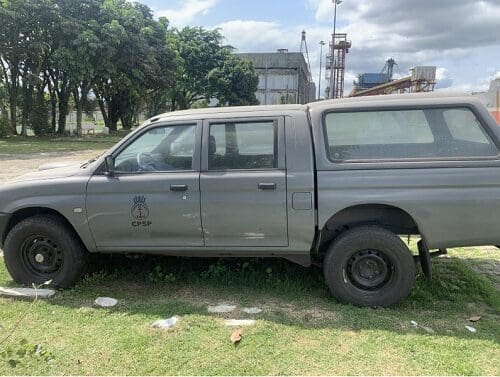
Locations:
(60, 55)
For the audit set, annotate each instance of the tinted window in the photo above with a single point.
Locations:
(166, 148)
(463, 125)
(402, 134)
(243, 146)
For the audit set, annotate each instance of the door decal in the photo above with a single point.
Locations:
(140, 212)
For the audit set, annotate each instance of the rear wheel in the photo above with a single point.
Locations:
(42, 248)
(369, 266)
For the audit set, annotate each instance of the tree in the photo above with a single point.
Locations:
(235, 83)
(210, 70)
(138, 60)
(76, 55)
(22, 51)
(201, 51)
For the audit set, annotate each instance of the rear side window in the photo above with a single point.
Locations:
(406, 134)
(235, 146)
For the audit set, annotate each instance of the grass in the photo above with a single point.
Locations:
(302, 330)
(31, 144)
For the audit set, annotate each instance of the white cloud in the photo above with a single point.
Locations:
(183, 15)
(261, 36)
(455, 35)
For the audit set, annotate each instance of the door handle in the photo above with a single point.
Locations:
(267, 186)
(178, 187)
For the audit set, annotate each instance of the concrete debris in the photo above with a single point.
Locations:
(239, 322)
(27, 292)
(222, 308)
(105, 302)
(475, 318)
(471, 329)
(251, 310)
(165, 324)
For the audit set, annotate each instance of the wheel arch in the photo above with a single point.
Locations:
(27, 212)
(388, 216)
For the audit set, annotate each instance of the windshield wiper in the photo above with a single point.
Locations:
(85, 164)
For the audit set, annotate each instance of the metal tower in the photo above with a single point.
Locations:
(339, 48)
(389, 67)
(305, 51)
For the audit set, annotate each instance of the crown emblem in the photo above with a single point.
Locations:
(139, 199)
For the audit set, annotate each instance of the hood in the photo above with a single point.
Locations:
(54, 172)
(55, 165)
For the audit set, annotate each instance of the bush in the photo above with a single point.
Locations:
(40, 119)
(4, 125)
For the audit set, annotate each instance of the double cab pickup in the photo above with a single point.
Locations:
(333, 182)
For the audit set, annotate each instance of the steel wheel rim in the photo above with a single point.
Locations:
(369, 269)
(41, 255)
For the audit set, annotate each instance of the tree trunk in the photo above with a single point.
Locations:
(27, 107)
(13, 87)
(5, 117)
(104, 113)
(53, 106)
(13, 109)
(113, 115)
(79, 111)
(63, 112)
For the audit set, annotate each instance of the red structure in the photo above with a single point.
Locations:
(335, 64)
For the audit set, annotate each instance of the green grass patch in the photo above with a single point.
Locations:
(302, 330)
(32, 144)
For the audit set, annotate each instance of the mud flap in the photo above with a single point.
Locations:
(424, 256)
(425, 259)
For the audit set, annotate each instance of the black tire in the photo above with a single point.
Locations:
(369, 266)
(42, 248)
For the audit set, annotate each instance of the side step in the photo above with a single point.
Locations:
(424, 257)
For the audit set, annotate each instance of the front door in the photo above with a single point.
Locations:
(153, 199)
(243, 183)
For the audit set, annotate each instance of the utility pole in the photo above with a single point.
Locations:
(332, 74)
(322, 43)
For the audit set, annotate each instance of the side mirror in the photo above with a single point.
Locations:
(109, 162)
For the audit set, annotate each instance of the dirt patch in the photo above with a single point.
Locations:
(12, 166)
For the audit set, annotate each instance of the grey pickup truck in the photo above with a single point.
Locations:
(333, 182)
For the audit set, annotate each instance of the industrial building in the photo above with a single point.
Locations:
(284, 77)
(421, 79)
(491, 99)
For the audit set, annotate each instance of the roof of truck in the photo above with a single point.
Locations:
(406, 99)
(226, 110)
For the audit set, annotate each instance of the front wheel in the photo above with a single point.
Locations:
(369, 266)
(43, 248)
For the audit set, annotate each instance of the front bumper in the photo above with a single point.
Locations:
(4, 220)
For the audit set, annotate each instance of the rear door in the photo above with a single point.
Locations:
(243, 183)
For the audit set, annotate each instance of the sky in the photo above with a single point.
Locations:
(460, 37)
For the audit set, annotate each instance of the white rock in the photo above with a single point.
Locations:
(222, 308)
(105, 302)
(251, 310)
(239, 322)
(471, 329)
(428, 329)
(165, 323)
(415, 324)
(27, 292)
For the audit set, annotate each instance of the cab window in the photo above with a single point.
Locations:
(235, 146)
(167, 148)
(406, 134)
